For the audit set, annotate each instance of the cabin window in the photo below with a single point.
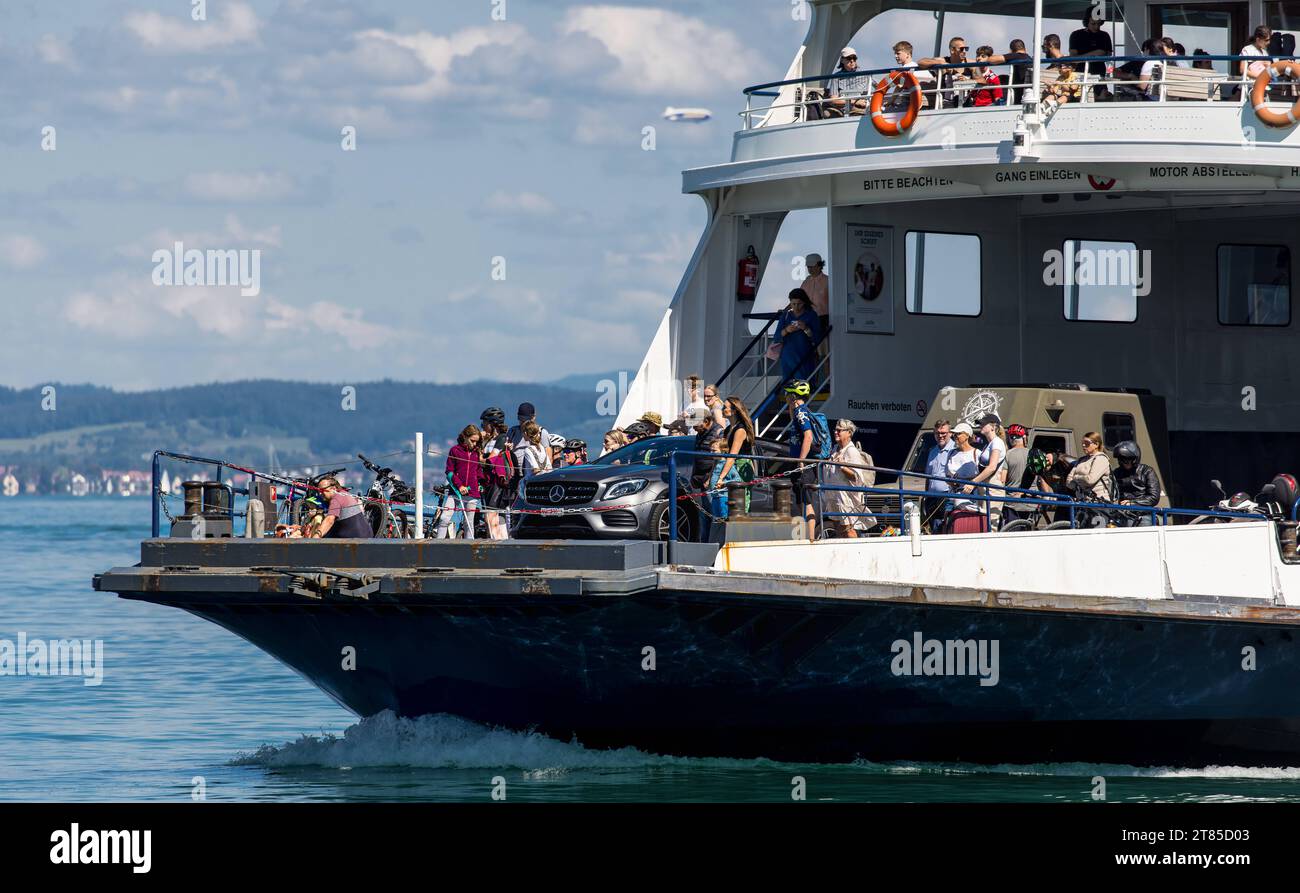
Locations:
(1254, 285)
(1117, 427)
(943, 274)
(1102, 280)
(1283, 16)
(1050, 443)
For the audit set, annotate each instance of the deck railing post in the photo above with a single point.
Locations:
(672, 505)
(419, 485)
(157, 495)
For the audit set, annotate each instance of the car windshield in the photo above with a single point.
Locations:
(653, 451)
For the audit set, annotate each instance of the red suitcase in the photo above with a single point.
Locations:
(966, 522)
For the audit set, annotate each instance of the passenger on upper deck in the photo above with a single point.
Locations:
(1019, 61)
(1257, 47)
(845, 91)
(1091, 40)
(1052, 46)
(1202, 63)
(903, 56)
(991, 91)
(957, 49)
(1066, 87)
(1138, 69)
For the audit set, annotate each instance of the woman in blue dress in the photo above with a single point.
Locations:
(797, 330)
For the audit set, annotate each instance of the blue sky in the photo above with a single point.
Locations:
(476, 139)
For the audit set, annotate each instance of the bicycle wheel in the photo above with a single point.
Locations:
(1017, 526)
(1058, 525)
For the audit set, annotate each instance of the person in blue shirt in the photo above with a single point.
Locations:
(797, 330)
(936, 463)
(804, 481)
(717, 498)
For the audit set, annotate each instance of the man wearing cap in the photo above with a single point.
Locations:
(515, 436)
(848, 94)
(817, 285)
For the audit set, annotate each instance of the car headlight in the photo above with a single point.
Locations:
(520, 491)
(619, 489)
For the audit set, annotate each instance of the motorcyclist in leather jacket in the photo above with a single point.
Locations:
(1136, 484)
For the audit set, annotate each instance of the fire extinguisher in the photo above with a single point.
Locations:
(747, 276)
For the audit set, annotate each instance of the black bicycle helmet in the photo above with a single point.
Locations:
(574, 444)
(493, 415)
(1127, 449)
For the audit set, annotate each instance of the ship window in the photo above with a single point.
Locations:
(1254, 285)
(1101, 280)
(1050, 443)
(943, 274)
(1116, 427)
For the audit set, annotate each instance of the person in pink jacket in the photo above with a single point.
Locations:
(465, 475)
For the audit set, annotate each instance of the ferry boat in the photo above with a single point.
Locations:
(978, 217)
(1167, 644)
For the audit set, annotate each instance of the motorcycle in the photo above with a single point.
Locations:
(1274, 502)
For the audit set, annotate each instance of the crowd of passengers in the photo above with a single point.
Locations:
(965, 455)
(974, 472)
(974, 82)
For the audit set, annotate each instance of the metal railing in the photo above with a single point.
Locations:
(221, 465)
(1087, 82)
(983, 493)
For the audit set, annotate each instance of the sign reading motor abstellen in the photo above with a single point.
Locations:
(1045, 178)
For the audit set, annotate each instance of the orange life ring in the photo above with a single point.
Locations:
(901, 126)
(1259, 92)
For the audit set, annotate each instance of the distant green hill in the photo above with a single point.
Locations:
(92, 428)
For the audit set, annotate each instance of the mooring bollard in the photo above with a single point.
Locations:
(736, 491)
(781, 497)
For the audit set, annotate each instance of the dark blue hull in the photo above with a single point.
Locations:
(802, 678)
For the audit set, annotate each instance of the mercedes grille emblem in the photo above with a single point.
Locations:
(557, 493)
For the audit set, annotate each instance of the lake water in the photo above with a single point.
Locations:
(182, 699)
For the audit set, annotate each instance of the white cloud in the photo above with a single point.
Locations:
(528, 203)
(132, 308)
(53, 51)
(232, 186)
(233, 234)
(20, 252)
(660, 51)
(234, 22)
(437, 53)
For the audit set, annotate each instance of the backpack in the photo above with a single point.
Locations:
(1281, 44)
(503, 468)
(821, 435)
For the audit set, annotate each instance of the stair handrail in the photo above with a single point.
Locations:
(771, 397)
(744, 353)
